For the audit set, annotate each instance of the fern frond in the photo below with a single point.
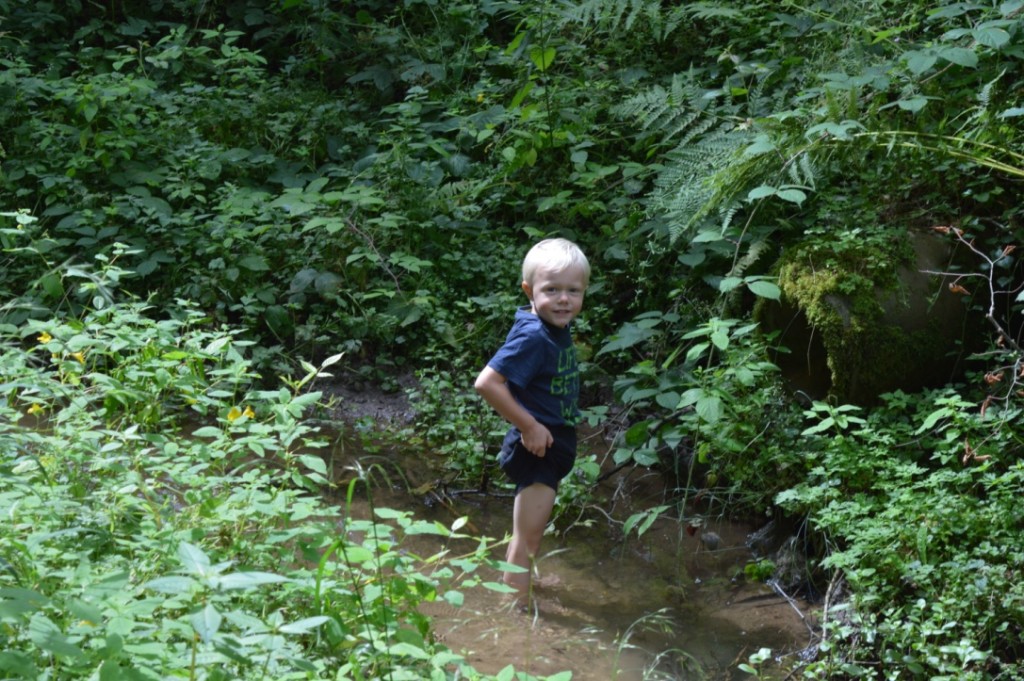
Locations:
(458, 189)
(801, 171)
(985, 96)
(607, 14)
(753, 254)
(686, 189)
(714, 10)
(669, 113)
(727, 216)
(622, 15)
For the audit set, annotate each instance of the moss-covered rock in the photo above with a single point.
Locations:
(864, 317)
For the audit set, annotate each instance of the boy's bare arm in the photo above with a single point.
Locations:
(493, 387)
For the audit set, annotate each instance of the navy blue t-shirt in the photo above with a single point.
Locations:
(539, 362)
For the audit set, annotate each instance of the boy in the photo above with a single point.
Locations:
(533, 382)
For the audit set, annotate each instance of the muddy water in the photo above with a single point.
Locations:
(660, 607)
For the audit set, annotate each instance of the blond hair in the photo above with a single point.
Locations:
(556, 254)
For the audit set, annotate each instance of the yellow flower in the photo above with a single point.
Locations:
(35, 409)
(480, 97)
(237, 413)
(44, 338)
(80, 356)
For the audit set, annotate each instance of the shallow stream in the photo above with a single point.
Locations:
(664, 606)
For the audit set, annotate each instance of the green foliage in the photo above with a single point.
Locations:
(759, 571)
(147, 539)
(707, 404)
(913, 459)
(452, 424)
(360, 181)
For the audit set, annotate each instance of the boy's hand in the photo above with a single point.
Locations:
(494, 388)
(537, 439)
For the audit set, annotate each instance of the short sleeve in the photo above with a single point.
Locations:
(519, 359)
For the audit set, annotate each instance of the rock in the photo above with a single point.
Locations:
(867, 320)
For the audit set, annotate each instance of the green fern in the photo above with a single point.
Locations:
(802, 171)
(682, 110)
(705, 161)
(623, 15)
(755, 250)
(711, 165)
(686, 191)
(716, 10)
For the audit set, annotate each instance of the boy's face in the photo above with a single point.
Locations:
(556, 297)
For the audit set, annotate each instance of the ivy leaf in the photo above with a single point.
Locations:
(636, 434)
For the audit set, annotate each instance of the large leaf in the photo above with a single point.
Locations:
(542, 57)
(764, 289)
(49, 638)
(919, 61)
(304, 625)
(246, 580)
(193, 558)
(206, 622)
(629, 335)
(960, 56)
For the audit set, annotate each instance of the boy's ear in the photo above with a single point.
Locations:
(527, 289)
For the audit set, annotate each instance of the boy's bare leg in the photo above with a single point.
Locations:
(530, 516)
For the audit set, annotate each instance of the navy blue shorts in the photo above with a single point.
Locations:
(525, 468)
